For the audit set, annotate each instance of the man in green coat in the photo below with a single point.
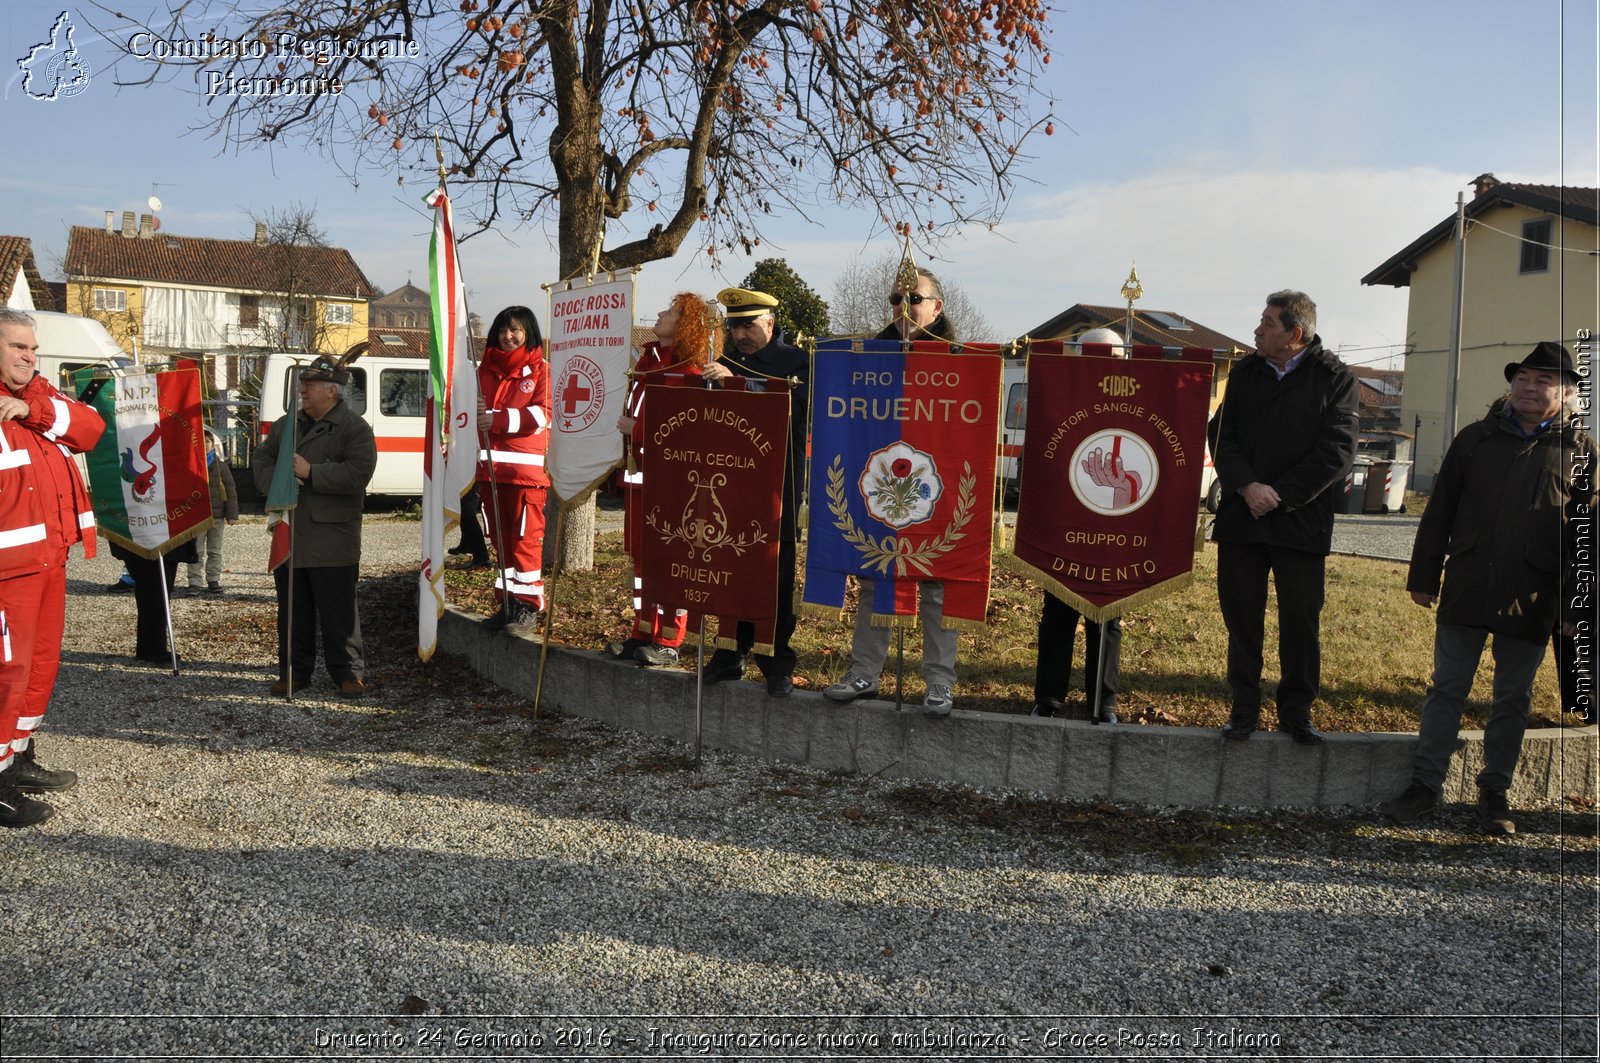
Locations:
(1498, 529)
(334, 456)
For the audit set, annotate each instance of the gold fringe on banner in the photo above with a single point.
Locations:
(1089, 610)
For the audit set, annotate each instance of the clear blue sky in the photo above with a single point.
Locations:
(1230, 148)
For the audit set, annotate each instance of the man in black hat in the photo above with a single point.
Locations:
(1496, 526)
(759, 352)
(334, 457)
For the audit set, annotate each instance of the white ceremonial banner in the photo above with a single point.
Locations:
(590, 345)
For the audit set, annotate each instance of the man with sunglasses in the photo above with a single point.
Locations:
(917, 309)
(759, 352)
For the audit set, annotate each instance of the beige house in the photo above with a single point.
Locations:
(1532, 273)
(171, 294)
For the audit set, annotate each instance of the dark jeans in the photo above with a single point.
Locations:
(1058, 630)
(328, 594)
(781, 661)
(150, 630)
(1242, 571)
(471, 529)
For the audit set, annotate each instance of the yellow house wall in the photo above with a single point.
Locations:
(339, 338)
(124, 326)
(1504, 313)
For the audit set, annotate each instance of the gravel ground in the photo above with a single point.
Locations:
(430, 872)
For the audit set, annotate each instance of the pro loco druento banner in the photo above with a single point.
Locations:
(148, 473)
(712, 502)
(1111, 468)
(902, 475)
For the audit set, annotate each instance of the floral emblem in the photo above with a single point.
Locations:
(901, 485)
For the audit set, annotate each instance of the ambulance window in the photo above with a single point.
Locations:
(66, 371)
(402, 392)
(1017, 406)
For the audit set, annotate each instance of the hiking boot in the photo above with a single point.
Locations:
(524, 621)
(281, 687)
(1413, 803)
(724, 664)
(854, 685)
(624, 649)
(213, 588)
(939, 702)
(656, 656)
(352, 688)
(17, 810)
(29, 776)
(1494, 815)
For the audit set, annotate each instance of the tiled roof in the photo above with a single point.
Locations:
(1146, 330)
(407, 342)
(1577, 204)
(16, 255)
(204, 262)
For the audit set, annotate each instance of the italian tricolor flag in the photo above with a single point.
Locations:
(148, 473)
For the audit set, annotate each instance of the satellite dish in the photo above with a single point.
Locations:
(155, 224)
(155, 202)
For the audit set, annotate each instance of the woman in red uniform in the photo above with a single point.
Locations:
(687, 331)
(514, 421)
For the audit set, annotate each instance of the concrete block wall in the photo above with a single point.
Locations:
(1073, 759)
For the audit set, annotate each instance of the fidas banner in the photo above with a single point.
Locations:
(148, 472)
(712, 502)
(902, 475)
(1111, 469)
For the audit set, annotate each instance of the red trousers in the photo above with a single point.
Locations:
(521, 554)
(651, 622)
(33, 610)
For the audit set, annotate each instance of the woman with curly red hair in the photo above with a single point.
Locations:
(514, 422)
(688, 331)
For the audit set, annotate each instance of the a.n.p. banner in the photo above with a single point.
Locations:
(902, 475)
(591, 332)
(148, 472)
(1111, 469)
(711, 503)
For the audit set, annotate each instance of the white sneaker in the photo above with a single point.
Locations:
(939, 701)
(852, 686)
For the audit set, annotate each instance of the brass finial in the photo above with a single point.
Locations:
(905, 278)
(1131, 288)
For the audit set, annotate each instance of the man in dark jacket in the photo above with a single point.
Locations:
(759, 352)
(1282, 443)
(1496, 527)
(334, 458)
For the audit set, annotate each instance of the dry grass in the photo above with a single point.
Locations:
(1377, 646)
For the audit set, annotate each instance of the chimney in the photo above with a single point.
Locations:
(111, 221)
(127, 224)
(146, 229)
(261, 234)
(1483, 183)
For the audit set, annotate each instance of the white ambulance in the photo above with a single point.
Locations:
(390, 392)
(68, 343)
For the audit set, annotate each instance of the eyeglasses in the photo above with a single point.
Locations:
(917, 298)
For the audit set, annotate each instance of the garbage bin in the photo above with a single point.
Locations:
(1399, 479)
(1355, 491)
(1376, 494)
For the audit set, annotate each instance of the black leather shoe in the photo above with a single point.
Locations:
(17, 810)
(1239, 730)
(34, 778)
(459, 550)
(1306, 735)
(1048, 707)
(780, 686)
(724, 665)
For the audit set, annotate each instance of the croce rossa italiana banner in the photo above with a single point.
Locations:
(1111, 468)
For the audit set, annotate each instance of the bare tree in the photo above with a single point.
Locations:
(295, 245)
(659, 116)
(859, 307)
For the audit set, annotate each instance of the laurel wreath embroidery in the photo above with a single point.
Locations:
(891, 549)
